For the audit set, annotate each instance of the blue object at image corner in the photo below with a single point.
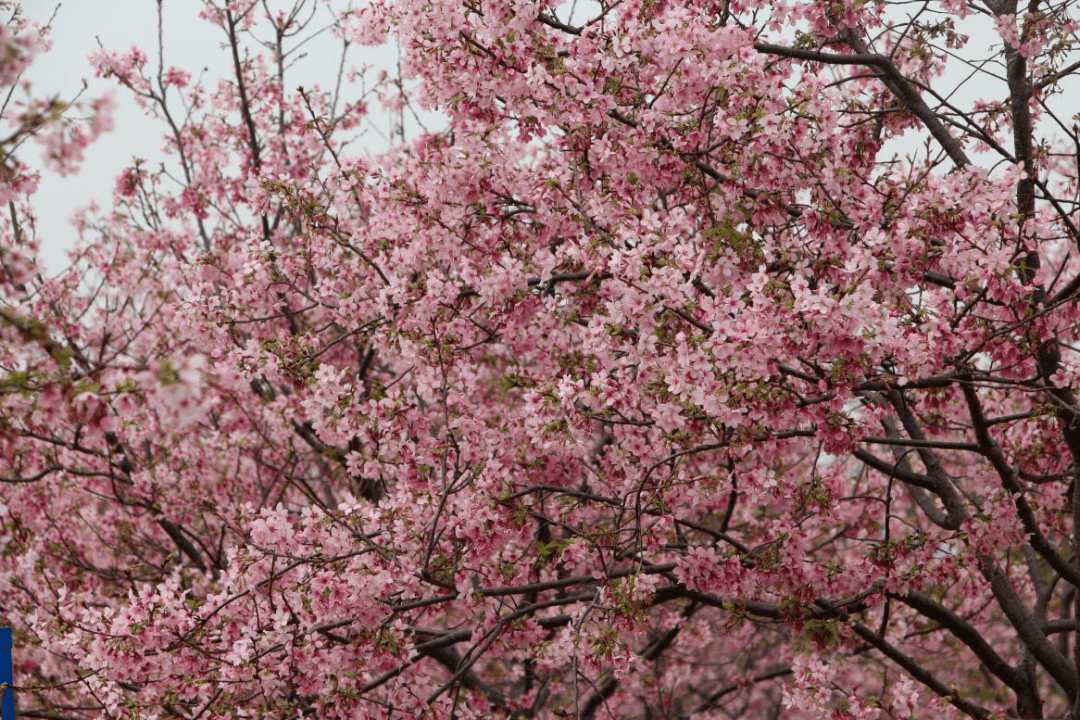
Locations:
(7, 698)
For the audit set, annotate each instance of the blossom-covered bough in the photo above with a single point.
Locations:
(714, 361)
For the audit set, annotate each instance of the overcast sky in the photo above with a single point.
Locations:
(189, 42)
(76, 29)
(193, 44)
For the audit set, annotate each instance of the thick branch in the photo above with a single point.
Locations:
(966, 633)
(993, 452)
(1027, 628)
(909, 95)
(920, 673)
(950, 496)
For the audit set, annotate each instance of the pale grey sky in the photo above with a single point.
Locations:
(193, 44)
(189, 42)
(76, 28)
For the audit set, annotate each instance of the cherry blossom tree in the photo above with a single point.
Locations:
(713, 360)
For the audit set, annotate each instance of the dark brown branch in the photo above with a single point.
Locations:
(922, 443)
(1027, 628)
(909, 95)
(950, 496)
(918, 672)
(992, 451)
(182, 542)
(867, 59)
(895, 469)
(966, 633)
(710, 701)
(571, 581)
(245, 105)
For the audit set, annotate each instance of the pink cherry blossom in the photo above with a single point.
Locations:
(700, 360)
